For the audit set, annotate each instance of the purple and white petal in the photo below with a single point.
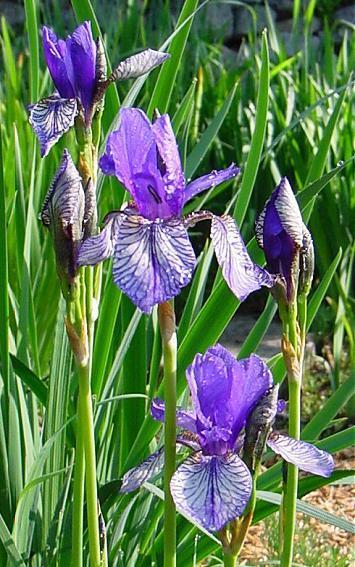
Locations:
(241, 274)
(211, 180)
(152, 260)
(150, 468)
(100, 247)
(212, 490)
(184, 418)
(82, 50)
(50, 118)
(304, 455)
(64, 202)
(138, 65)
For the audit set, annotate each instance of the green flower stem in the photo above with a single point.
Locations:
(293, 348)
(166, 316)
(78, 504)
(229, 560)
(290, 488)
(87, 425)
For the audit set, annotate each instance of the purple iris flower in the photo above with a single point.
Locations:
(280, 232)
(213, 485)
(78, 68)
(152, 254)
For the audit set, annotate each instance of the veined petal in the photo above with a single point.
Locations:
(211, 180)
(212, 490)
(100, 247)
(152, 260)
(138, 65)
(135, 477)
(50, 118)
(185, 419)
(238, 269)
(304, 455)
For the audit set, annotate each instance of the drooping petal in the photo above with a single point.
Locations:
(82, 49)
(100, 247)
(152, 260)
(211, 180)
(241, 274)
(185, 419)
(169, 164)
(138, 65)
(50, 118)
(59, 63)
(212, 490)
(151, 467)
(63, 213)
(304, 455)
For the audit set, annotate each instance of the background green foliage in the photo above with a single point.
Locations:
(272, 113)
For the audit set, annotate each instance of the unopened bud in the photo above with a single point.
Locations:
(258, 427)
(62, 214)
(306, 263)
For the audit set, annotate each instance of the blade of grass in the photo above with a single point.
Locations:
(165, 83)
(32, 31)
(256, 146)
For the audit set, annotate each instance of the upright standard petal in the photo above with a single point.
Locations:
(169, 164)
(304, 455)
(241, 274)
(50, 118)
(151, 467)
(224, 391)
(82, 49)
(59, 63)
(145, 159)
(211, 180)
(212, 490)
(279, 232)
(63, 213)
(152, 260)
(185, 419)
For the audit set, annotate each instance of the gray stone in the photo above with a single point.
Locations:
(346, 13)
(219, 17)
(238, 329)
(244, 20)
(13, 13)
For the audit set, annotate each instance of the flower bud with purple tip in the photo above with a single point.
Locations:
(280, 233)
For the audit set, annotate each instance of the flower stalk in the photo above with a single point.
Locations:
(292, 348)
(166, 317)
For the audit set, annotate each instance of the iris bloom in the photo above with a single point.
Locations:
(213, 485)
(78, 69)
(285, 239)
(152, 254)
